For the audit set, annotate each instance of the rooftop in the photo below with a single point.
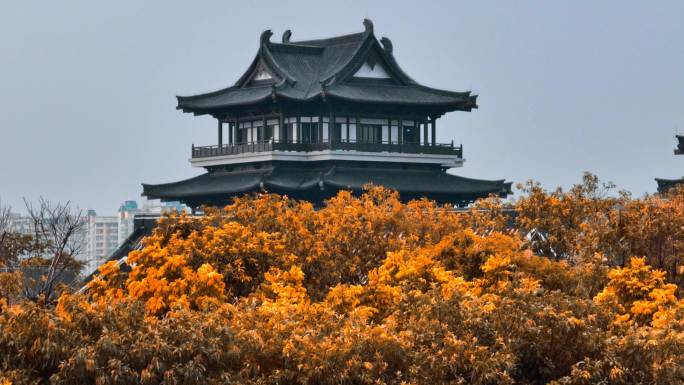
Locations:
(355, 67)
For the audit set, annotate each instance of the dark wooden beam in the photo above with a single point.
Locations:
(263, 128)
(401, 131)
(281, 127)
(220, 132)
(331, 127)
(434, 131)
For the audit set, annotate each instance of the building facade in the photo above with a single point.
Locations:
(310, 118)
(104, 234)
(102, 238)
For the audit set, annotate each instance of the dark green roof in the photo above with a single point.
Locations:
(316, 184)
(666, 184)
(680, 145)
(320, 69)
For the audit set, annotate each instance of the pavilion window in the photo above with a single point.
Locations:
(290, 130)
(352, 130)
(326, 131)
(370, 133)
(272, 130)
(341, 131)
(309, 129)
(411, 133)
(257, 131)
(244, 132)
(373, 130)
(394, 131)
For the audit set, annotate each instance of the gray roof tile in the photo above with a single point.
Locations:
(305, 70)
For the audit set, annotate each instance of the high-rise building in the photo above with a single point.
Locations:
(102, 238)
(127, 212)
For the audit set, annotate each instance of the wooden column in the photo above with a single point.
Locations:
(425, 132)
(358, 129)
(434, 131)
(298, 129)
(331, 128)
(234, 131)
(220, 133)
(400, 138)
(263, 129)
(320, 128)
(230, 133)
(347, 128)
(281, 126)
(389, 131)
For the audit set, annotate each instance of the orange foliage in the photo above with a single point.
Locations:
(367, 290)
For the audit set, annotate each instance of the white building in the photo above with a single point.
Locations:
(106, 233)
(102, 235)
(126, 214)
(102, 238)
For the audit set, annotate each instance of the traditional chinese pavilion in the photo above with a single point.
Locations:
(666, 184)
(309, 118)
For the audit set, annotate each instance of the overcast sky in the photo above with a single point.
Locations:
(87, 89)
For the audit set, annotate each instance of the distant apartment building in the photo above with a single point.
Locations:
(102, 238)
(106, 233)
(102, 235)
(126, 213)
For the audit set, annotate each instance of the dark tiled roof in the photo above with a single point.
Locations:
(666, 184)
(680, 145)
(313, 69)
(318, 183)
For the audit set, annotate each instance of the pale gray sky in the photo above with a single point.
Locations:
(87, 107)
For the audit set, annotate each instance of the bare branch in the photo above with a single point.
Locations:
(56, 227)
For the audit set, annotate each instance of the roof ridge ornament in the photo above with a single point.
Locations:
(265, 37)
(286, 36)
(368, 24)
(323, 88)
(387, 44)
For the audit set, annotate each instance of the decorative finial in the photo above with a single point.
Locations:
(368, 24)
(266, 36)
(386, 44)
(323, 86)
(286, 36)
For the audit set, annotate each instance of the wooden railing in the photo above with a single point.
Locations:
(405, 148)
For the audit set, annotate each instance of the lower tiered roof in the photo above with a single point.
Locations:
(317, 184)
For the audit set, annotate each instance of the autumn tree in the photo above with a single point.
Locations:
(366, 290)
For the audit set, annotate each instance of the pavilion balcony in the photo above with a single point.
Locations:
(444, 149)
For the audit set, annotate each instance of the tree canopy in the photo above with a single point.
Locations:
(369, 290)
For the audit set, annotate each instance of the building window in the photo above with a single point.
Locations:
(257, 131)
(243, 132)
(272, 130)
(341, 130)
(290, 130)
(310, 129)
(370, 133)
(394, 131)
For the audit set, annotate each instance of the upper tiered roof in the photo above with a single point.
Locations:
(356, 68)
